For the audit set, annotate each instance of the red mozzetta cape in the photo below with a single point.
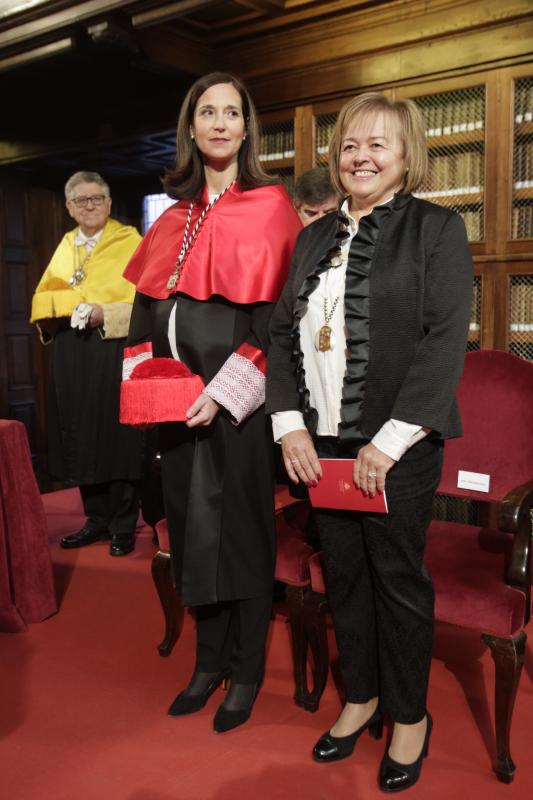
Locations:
(241, 252)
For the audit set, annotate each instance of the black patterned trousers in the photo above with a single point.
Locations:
(379, 591)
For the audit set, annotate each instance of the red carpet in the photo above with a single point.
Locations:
(83, 699)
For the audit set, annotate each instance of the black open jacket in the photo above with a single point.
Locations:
(419, 309)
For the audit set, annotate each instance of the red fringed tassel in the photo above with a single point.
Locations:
(149, 400)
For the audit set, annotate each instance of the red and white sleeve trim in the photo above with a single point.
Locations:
(133, 356)
(239, 386)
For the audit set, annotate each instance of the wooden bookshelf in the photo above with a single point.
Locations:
(498, 216)
(523, 194)
(456, 139)
(276, 163)
(524, 129)
(451, 198)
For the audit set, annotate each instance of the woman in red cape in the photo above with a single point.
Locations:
(208, 274)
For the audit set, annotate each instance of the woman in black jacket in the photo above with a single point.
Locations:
(367, 349)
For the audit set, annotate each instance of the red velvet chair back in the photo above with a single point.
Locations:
(495, 398)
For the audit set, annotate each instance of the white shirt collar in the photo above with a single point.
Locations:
(89, 241)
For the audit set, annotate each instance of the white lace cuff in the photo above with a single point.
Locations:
(239, 386)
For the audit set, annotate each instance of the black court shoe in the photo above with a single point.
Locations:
(334, 748)
(190, 703)
(395, 777)
(242, 696)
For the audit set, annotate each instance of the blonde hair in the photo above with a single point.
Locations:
(411, 128)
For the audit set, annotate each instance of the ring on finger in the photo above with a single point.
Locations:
(372, 474)
(295, 460)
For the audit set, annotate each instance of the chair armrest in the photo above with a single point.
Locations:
(514, 510)
(515, 515)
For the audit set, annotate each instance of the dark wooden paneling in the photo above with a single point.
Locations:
(16, 290)
(32, 222)
(19, 361)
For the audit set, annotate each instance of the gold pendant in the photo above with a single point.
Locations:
(324, 339)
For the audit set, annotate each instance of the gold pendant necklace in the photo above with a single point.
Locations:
(325, 338)
(79, 274)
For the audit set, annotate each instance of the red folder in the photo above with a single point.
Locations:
(336, 489)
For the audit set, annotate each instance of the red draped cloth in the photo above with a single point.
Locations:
(26, 583)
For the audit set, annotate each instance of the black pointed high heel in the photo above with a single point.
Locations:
(226, 719)
(190, 703)
(395, 777)
(334, 748)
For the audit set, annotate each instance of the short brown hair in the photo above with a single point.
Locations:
(412, 130)
(187, 179)
(313, 186)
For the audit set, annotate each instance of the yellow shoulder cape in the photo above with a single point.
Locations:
(54, 297)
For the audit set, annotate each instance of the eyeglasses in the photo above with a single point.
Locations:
(95, 199)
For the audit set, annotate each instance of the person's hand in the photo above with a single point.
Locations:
(96, 317)
(202, 412)
(300, 458)
(370, 468)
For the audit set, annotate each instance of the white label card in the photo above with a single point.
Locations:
(473, 480)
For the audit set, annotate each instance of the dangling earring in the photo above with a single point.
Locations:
(192, 137)
(244, 137)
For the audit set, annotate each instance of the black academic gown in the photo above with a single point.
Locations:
(218, 479)
(87, 443)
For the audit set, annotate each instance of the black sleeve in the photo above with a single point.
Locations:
(141, 321)
(428, 390)
(260, 320)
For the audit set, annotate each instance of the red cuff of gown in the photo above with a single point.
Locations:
(133, 356)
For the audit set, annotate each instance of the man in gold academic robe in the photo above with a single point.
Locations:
(82, 307)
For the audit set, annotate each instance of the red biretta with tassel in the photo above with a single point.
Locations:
(158, 390)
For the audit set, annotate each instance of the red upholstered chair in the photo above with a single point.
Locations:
(482, 574)
(292, 569)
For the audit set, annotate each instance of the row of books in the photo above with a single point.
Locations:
(521, 307)
(474, 225)
(523, 164)
(523, 102)
(444, 116)
(458, 171)
(323, 134)
(475, 312)
(458, 114)
(277, 144)
(522, 221)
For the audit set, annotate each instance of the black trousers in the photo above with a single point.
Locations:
(232, 636)
(381, 595)
(112, 507)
